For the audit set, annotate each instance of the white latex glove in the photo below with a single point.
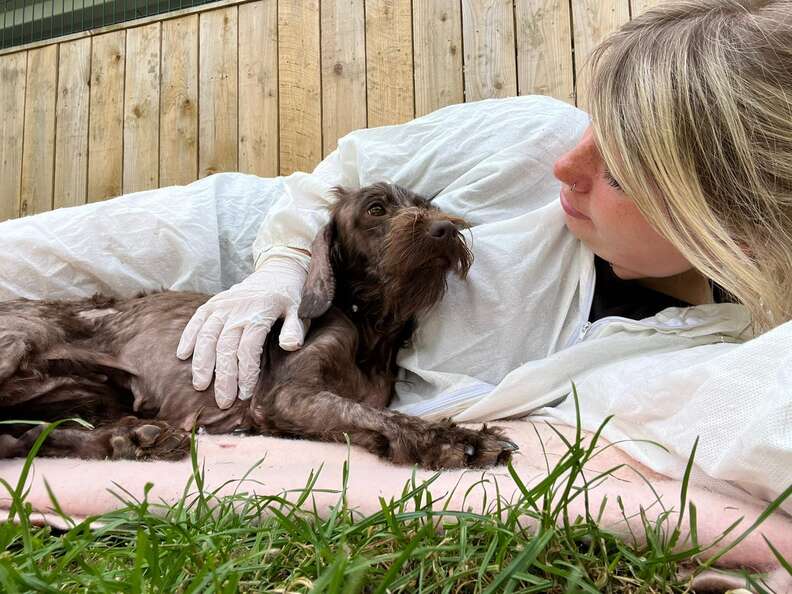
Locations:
(226, 335)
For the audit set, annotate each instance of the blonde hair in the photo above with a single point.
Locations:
(691, 106)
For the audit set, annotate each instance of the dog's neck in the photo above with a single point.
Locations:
(381, 332)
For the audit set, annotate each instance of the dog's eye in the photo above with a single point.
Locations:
(376, 210)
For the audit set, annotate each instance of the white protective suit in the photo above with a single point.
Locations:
(513, 337)
(507, 341)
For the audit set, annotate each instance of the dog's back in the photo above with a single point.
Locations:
(100, 358)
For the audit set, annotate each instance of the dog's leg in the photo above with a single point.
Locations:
(129, 438)
(399, 438)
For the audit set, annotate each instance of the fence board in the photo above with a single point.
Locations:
(343, 70)
(141, 109)
(299, 85)
(71, 123)
(218, 124)
(544, 49)
(258, 88)
(437, 26)
(13, 69)
(488, 39)
(593, 21)
(106, 113)
(389, 62)
(178, 133)
(38, 154)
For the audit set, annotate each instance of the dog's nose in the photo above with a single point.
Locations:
(442, 229)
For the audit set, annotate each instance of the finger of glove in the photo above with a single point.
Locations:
(292, 334)
(250, 348)
(203, 362)
(190, 334)
(227, 367)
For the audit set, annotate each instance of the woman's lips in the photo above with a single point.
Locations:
(572, 212)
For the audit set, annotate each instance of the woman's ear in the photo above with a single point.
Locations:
(319, 287)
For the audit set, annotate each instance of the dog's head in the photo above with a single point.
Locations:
(391, 246)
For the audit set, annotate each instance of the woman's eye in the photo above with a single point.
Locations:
(611, 180)
(376, 210)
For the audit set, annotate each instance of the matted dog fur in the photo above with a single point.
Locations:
(380, 262)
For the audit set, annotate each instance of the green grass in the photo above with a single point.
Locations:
(279, 543)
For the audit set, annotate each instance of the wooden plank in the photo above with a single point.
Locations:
(179, 102)
(299, 82)
(593, 21)
(141, 109)
(218, 123)
(71, 123)
(544, 49)
(389, 57)
(258, 88)
(437, 26)
(488, 38)
(343, 70)
(639, 6)
(106, 127)
(38, 154)
(13, 68)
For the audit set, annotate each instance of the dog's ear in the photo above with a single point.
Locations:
(320, 285)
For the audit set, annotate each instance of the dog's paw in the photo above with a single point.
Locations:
(137, 439)
(459, 447)
(446, 445)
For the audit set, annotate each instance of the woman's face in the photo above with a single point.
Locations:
(607, 221)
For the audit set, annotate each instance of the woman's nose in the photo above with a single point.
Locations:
(564, 169)
(578, 165)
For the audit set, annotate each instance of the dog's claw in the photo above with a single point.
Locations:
(469, 450)
(509, 445)
(147, 434)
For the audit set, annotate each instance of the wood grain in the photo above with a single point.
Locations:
(593, 21)
(389, 60)
(218, 123)
(106, 126)
(141, 109)
(13, 69)
(258, 88)
(544, 49)
(488, 38)
(299, 85)
(437, 26)
(38, 154)
(71, 123)
(343, 70)
(178, 132)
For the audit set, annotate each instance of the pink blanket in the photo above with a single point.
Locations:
(85, 488)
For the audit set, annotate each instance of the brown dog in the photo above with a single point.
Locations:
(380, 262)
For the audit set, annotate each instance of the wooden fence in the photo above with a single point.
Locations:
(265, 86)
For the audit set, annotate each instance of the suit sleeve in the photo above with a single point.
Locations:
(429, 155)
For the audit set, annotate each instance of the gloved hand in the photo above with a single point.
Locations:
(226, 335)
